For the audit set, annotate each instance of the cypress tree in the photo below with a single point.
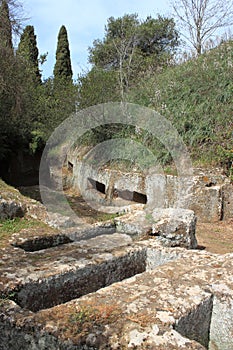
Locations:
(5, 27)
(28, 51)
(62, 69)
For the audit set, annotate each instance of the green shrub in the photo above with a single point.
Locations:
(197, 97)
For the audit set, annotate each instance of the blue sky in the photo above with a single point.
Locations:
(84, 21)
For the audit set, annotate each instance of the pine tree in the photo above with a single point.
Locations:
(5, 27)
(28, 51)
(62, 69)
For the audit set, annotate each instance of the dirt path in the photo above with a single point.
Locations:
(216, 237)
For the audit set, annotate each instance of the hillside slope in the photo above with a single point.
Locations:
(197, 96)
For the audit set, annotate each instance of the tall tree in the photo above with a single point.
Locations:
(10, 22)
(119, 32)
(28, 51)
(200, 19)
(152, 36)
(158, 35)
(5, 27)
(15, 96)
(62, 69)
(131, 47)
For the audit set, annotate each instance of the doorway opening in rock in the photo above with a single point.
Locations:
(132, 196)
(139, 197)
(100, 187)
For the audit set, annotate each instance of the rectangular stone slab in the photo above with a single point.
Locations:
(169, 307)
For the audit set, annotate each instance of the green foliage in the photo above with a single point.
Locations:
(98, 86)
(62, 69)
(30, 109)
(118, 32)
(196, 97)
(38, 139)
(158, 35)
(17, 92)
(133, 62)
(6, 297)
(55, 103)
(4, 186)
(133, 39)
(14, 129)
(5, 27)
(107, 217)
(28, 51)
(83, 316)
(10, 226)
(7, 67)
(225, 158)
(132, 47)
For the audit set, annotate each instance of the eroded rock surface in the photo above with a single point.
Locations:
(184, 304)
(208, 193)
(89, 287)
(173, 227)
(10, 209)
(12, 204)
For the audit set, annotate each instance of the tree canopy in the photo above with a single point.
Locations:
(129, 38)
(131, 53)
(130, 49)
(29, 108)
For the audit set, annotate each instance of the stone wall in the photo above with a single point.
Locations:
(209, 195)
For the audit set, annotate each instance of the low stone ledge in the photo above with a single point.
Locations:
(10, 209)
(135, 224)
(174, 227)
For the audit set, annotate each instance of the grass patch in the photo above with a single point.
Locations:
(6, 187)
(11, 226)
(106, 216)
(7, 191)
(85, 318)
